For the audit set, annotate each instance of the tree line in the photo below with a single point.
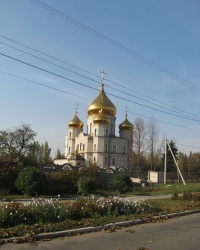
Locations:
(149, 153)
(19, 146)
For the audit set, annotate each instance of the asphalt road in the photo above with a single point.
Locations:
(182, 233)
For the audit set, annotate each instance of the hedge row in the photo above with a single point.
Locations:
(33, 181)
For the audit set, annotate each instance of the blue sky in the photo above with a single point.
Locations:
(166, 33)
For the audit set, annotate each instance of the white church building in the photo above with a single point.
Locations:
(99, 145)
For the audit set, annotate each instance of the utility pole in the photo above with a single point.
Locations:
(167, 143)
(165, 168)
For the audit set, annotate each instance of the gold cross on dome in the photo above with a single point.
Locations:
(102, 75)
(77, 108)
(126, 110)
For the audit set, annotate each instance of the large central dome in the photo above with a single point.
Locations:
(101, 103)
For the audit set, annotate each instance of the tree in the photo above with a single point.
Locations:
(59, 155)
(34, 156)
(139, 142)
(152, 140)
(194, 164)
(159, 155)
(121, 183)
(46, 151)
(62, 183)
(15, 144)
(183, 163)
(31, 181)
(38, 154)
(85, 185)
(170, 164)
(8, 175)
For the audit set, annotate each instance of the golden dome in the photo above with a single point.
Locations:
(102, 102)
(101, 119)
(126, 125)
(76, 122)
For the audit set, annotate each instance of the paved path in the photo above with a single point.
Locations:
(180, 233)
(147, 197)
(130, 198)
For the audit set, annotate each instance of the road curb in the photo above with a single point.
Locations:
(78, 231)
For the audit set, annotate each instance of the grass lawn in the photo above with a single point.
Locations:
(168, 206)
(169, 188)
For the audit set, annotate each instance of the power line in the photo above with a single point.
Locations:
(43, 85)
(88, 73)
(153, 99)
(187, 145)
(66, 92)
(121, 91)
(52, 57)
(49, 62)
(95, 80)
(118, 45)
(170, 123)
(52, 73)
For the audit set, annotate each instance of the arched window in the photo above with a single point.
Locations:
(70, 134)
(106, 147)
(95, 131)
(106, 132)
(114, 148)
(124, 149)
(105, 160)
(90, 127)
(113, 161)
(80, 146)
(95, 147)
(111, 128)
(83, 146)
(94, 158)
(69, 149)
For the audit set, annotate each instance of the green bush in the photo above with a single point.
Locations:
(8, 176)
(120, 183)
(84, 185)
(31, 181)
(62, 183)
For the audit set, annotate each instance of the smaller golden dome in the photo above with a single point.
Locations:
(76, 122)
(101, 119)
(126, 125)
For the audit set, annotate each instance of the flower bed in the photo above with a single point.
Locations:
(49, 211)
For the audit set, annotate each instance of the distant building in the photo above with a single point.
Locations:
(99, 145)
(156, 177)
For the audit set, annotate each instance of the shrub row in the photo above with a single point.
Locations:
(186, 196)
(49, 211)
(32, 181)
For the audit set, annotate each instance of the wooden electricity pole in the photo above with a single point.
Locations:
(165, 168)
